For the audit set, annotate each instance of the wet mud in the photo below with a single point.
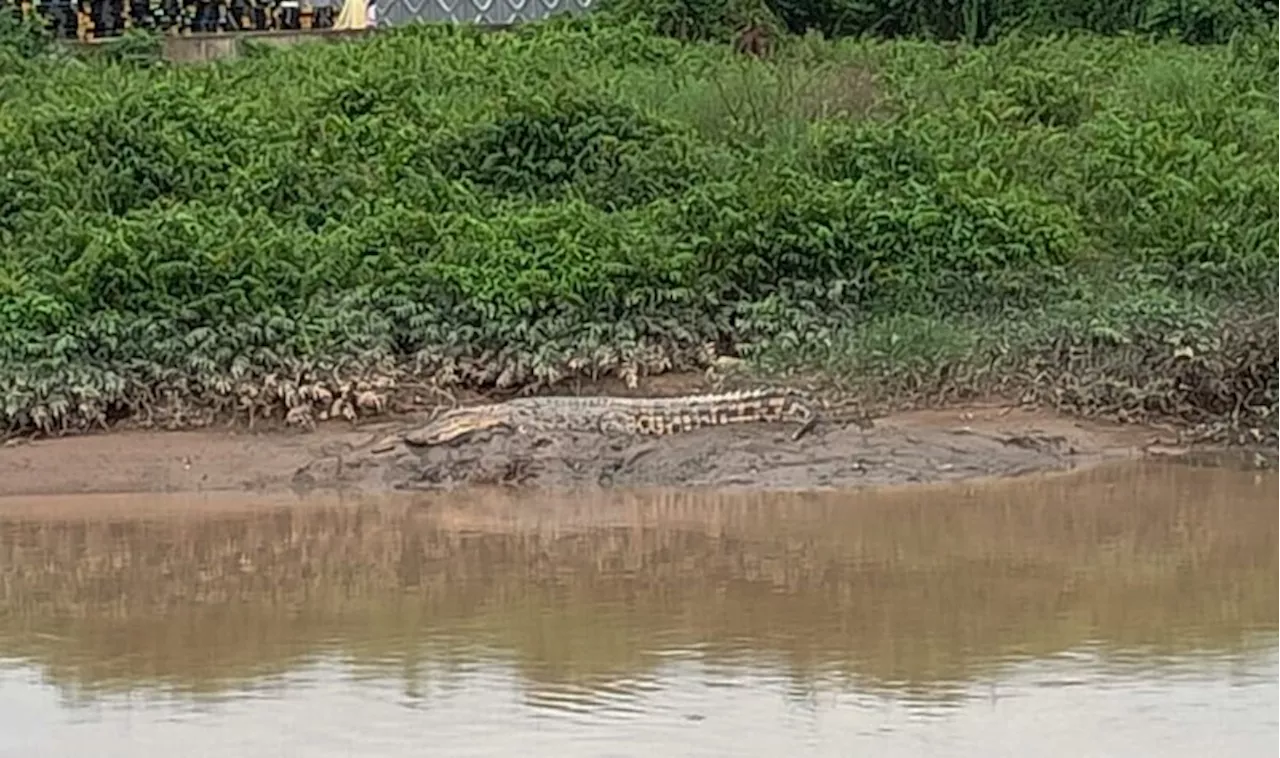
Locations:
(912, 448)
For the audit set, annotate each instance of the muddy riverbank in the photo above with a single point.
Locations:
(916, 447)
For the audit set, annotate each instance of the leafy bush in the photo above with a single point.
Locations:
(1194, 21)
(695, 19)
(541, 148)
(587, 197)
(20, 38)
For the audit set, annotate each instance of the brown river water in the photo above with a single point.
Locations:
(1126, 610)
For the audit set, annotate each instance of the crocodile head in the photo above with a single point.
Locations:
(453, 426)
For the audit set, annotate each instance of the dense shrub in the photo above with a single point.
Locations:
(695, 19)
(542, 148)
(587, 197)
(1193, 21)
(21, 38)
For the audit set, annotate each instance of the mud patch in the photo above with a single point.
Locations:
(911, 448)
(166, 461)
(922, 446)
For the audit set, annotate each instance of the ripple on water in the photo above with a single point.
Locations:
(1121, 611)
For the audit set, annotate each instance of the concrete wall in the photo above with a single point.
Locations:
(207, 47)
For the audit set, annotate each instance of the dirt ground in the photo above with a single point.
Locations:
(924, 446)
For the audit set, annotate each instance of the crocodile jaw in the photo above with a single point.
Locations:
(454, 426)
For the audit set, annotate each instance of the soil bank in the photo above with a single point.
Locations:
(912, 447)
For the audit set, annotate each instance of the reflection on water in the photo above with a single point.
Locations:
(1123, 611)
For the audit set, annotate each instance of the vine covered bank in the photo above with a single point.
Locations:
(1085, 221)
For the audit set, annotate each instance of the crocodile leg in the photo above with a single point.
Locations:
(805, 427)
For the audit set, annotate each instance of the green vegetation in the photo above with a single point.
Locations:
(973, 21)
(583, 197)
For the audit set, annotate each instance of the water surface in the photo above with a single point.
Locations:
(1127, 611)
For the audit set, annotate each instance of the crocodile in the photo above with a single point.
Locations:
(620, 415)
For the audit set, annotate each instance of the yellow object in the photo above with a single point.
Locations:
(354, 15)
(84, 26)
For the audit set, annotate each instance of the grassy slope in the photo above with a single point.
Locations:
(583, 198)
